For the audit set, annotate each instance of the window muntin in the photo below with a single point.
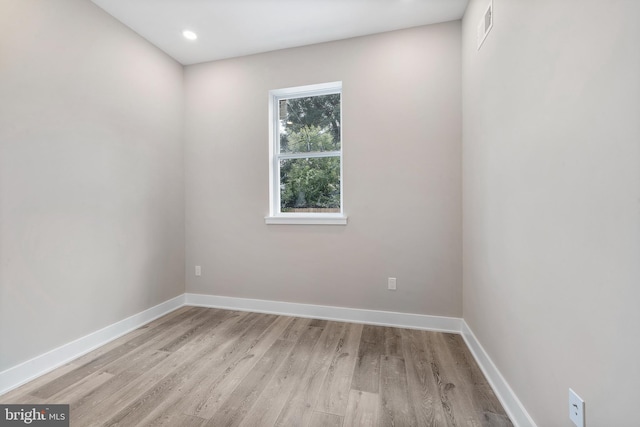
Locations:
(306, 167)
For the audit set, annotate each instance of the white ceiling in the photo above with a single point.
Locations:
(230, 28)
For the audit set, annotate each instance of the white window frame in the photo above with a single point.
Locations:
(275, 216)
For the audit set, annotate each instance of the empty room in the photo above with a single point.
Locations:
(319, 213)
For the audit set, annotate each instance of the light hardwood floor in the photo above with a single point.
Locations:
(208, 367)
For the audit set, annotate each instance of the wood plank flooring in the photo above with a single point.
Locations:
(208, 367)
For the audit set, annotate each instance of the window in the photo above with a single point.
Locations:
(306, 155)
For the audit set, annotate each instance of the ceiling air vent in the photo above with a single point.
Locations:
(485, 24)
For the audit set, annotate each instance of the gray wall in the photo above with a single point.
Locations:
(91, 175)
(551, 155)
(402, 176)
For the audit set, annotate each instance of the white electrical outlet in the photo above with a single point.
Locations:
(576, 409)
(198, 270)
(391, 283)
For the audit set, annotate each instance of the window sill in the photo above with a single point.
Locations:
(306, 220)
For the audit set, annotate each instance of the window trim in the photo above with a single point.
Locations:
(275, 216)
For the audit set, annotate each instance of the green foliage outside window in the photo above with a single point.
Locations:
(310, 125)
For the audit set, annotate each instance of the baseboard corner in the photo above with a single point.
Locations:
(509, 400)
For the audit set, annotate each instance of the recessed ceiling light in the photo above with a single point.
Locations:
(189, 35)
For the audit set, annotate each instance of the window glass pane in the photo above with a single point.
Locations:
(310, 185)
(310, 124)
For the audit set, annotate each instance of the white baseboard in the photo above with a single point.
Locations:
(40, 365)
(341, 314)
(31, 369)
(510, 402)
